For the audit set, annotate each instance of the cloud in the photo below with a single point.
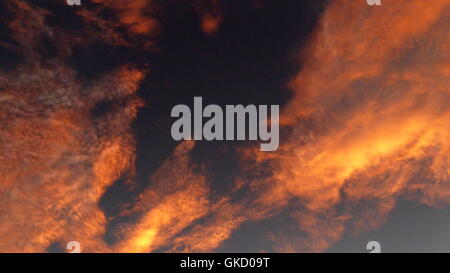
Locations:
(368, 119)
(367, 124)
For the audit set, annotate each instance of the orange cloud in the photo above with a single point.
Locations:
(369, 118)
(366, 125)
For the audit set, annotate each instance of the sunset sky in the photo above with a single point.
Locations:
(86, 152)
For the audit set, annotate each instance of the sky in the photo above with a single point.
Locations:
(86, 94)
